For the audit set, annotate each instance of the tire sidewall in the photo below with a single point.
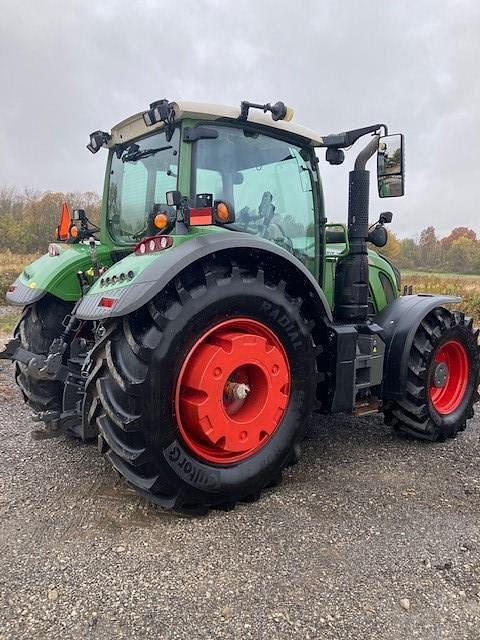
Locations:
(206, 308)
(463, 335)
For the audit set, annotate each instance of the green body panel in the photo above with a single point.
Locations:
(136, 264)
(376, 265)
(58, 275)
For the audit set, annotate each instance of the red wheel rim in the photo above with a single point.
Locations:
(447, 397)
(232, 391)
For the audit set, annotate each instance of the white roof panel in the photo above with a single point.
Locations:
(134, 126)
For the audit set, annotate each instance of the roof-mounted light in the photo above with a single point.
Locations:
(98, 139)
(161, 111)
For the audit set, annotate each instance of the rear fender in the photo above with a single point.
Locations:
(400, 321)
(56, 275)
(169, 263)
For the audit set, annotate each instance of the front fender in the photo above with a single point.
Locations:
(151, 273)
(400, 321)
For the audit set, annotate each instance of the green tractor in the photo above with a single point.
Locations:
(214, 309)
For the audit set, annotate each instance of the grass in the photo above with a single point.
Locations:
(8, 320)
(438, 274)
(11, 264)
(465, 286)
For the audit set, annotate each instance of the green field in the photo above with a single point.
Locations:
(437, 274)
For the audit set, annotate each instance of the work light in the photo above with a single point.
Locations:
(97, 140)
(158, 112)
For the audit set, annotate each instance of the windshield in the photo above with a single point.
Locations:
(139, 179)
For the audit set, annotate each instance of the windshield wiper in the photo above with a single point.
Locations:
(136, 154)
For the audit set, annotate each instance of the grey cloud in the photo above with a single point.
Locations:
(69, 68)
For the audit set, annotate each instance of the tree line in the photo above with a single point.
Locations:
(457, 252)
(28, 221)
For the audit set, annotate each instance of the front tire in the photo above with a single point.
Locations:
(443, 371)
(174, 434)
(39, 324)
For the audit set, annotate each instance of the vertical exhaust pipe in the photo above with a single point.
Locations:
(351, 277)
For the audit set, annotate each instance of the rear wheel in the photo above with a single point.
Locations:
(443, 370)
(204, 394)
(40, 323)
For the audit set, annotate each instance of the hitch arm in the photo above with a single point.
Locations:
(48, 367)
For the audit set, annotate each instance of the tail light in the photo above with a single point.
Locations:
(153, 244)
(107, 302)
(201, 216)
(53, 250)
(221, 213)
(224, 213)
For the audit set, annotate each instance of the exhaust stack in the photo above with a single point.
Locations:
(351, 278)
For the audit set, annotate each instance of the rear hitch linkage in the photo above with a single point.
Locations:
(49, 367)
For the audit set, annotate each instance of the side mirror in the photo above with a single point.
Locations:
(390, 173)
(386, 217)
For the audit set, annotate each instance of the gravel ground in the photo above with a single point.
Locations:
(369, 536)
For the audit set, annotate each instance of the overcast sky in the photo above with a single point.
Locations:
(68, 68)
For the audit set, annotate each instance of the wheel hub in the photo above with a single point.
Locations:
(232, 391)
(440, 375)
(449, 377)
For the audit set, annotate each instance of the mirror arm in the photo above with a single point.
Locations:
(366, 153)
(348, 138)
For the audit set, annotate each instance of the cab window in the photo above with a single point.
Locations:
(269, 183)
(141, 173)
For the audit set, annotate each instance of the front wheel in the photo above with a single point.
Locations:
(443, 370)
(39, 325)
(204, 393)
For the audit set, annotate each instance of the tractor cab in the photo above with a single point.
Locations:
(250, 170)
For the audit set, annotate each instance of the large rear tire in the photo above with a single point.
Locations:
(203, 395)
(443, 370)
(40, 323)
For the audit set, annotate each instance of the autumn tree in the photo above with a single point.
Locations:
(429, 249)
(392, 248)
(458, 232)
(408, 256)
(28, 221)
(462, 255)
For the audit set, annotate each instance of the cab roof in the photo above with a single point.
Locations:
(135, 127)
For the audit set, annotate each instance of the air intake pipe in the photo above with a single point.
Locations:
(351, 276)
